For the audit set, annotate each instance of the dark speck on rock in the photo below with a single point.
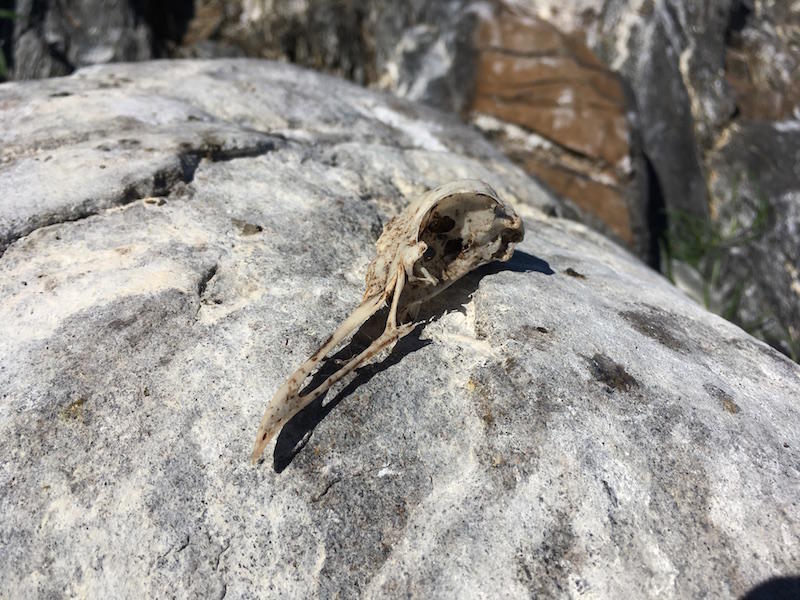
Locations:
(656, 324)
(573, 273)
(727, 401)
(246, 228)
(611, 373)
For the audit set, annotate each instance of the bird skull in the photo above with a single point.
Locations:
(440, 237)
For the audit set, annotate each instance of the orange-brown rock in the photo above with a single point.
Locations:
(532, 75)
(605, 201)
(548, 83)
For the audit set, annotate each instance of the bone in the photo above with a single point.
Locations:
(440, 237)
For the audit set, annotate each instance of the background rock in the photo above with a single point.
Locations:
(54, 38)
(566, 424)
(763, 59)
(557, 111)
(708, 77)
(441, 53)
(755, 177)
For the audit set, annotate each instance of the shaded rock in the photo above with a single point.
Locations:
(712, 62)
(762, 59)
(755, 177)
(543, 434)
(645, 42)
(706, 76)
(53, 38)
(421, 50)
(335, 37)
(430, 56)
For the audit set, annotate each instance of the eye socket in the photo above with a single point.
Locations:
(429, 253)
(453, 247)
(441, 224)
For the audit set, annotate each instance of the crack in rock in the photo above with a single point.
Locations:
(159, 184)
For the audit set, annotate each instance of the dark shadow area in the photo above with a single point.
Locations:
(777, 588)
(656, 216)
(168, 21)
(521, 262)
(297, 432)
(740, 12)
(7, 17)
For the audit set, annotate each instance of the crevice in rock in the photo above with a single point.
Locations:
(168, 20)
(204, 279)
(218, 558)
(657, 220)
(7, 40)
(740, 12)
(327, 488)
(160, 184)
(61, 57)
(190, 159)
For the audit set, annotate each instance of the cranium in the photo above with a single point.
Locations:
(440, 237)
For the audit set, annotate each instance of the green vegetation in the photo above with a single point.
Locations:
(706, 245)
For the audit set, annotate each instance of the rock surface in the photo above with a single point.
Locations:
(180, 236)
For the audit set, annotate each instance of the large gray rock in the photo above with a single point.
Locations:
(181, 235)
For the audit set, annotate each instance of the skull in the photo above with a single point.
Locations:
(440, 237)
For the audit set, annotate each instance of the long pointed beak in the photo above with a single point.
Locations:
(287, 402)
